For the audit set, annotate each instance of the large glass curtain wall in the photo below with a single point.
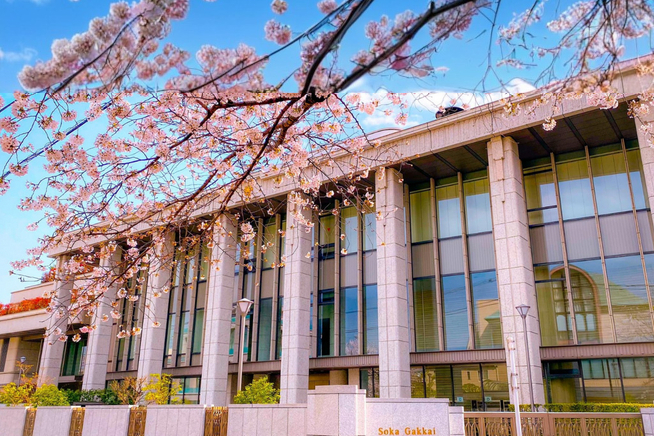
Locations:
(455, 298)
(347, 283)
(600, 380)
(592, 246)
(186, 306)
(131, 318)
(259, 276)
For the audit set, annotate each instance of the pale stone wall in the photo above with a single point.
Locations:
(514, 264)
(12, 420)
(392, 301)
(99, 342)
(648, 421)
(434, 415)
(174, 421)
(31, 292)
(105, 421)
(52, 421)
(218, 315)
(267, 419)
(296, 339)
(153, 339)
(53, 349)
(336, 411)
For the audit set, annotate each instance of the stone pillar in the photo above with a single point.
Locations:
(218, 314)
(393, 304)
(296, 339)
(647, 154)
(53, 349)
(336, 411)
(99, 342)
(153, 338)
(515, 276)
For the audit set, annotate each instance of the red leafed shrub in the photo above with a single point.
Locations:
(24, 306)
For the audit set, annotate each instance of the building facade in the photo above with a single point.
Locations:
(415, 296)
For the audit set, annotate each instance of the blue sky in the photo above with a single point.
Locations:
(28, 27)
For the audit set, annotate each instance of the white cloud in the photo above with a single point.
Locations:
(25, 55)
(423, 104)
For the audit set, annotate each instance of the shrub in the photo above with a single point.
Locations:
(130, 390)
(162, 390)
(24, 306)
(585, 407)
(260, 391)
(13, 395)
(49, 395)
(104, 396)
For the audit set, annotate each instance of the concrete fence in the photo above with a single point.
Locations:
(330, 411)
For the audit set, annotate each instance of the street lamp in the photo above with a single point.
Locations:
(20, 369)
(244, 306)
(523, 309)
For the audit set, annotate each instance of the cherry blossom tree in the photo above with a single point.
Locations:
(186, 139)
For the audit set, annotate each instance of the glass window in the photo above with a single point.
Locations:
(455, 313)
(349, 333)
(602, 380)
(611, 185)
(467, 386)
(74, 357)
(269, 248)
(564, 384)
(486, 310)
(448, 211)
(369, 231)
(438, 382)
(190, 390)
(590, 304)
(554, 313)
(369, 380)
(574, 188)
(421, 226)
(326, 234)
(280, 322)
(350, 229)
(326, 323)
(265, 328)
(629, 299)
(496, 386)
(417, 382)
(370, 324)
(637, 379)
(425, 309)
(478, 209)
(637, 179)
(541, 197)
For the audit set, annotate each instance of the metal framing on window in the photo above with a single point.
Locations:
(573, 303)
(190, 273)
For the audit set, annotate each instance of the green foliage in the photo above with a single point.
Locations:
(585, 407)
(260, 391)
(104, 396)
(162, 389)
(49, 395)
(12, 394)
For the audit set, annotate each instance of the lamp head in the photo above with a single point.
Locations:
(523, 309)
(22, 359)
(244, 305)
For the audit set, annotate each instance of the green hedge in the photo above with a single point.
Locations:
(105, 396)
(586, 407)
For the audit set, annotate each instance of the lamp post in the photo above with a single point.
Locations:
(523, 309)
(244, 306)
(20, 369)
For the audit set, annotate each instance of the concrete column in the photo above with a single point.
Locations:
(646, 154)
(515, 276)
(153, 336)
(218, 314)
(53, 349)
(296, 339)
(392, 293)
(99, 342)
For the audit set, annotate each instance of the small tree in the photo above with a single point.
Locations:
(49, 395)
(162, 390)
(130, 390)
(260, 391)
(13, 395)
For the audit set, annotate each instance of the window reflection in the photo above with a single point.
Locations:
(455, 313)
(486, 310)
